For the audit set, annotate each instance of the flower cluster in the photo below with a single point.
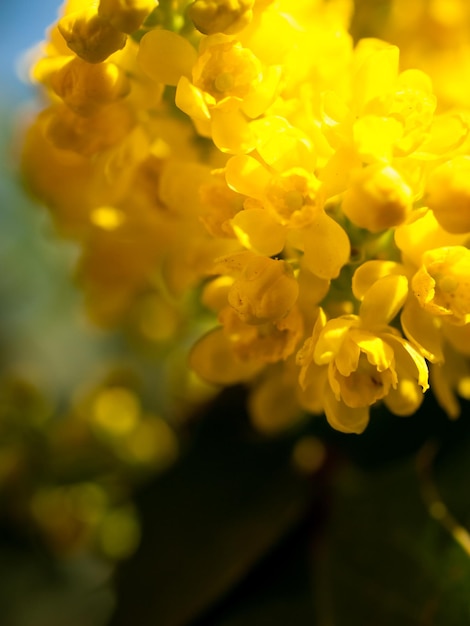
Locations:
(310, 192)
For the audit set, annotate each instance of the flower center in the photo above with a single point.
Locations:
(224, 82)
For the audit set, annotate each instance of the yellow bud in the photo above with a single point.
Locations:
(378, 198)
(90, 36)
(126, 15)
(84, 87)
(221, 16)
(448, 192)
(266, 290)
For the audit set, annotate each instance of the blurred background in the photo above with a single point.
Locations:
(54, 567)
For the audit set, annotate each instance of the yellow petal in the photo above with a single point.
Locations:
(347, 358)
(421, 234)
(458, 337)
(304, 357)
(443, 392)
(447, 133)
(370, 272)
(420, 327)
(415, 80)
(310, 395)
(165, 56)
(326, 246)
(331, 338)
(258, 231)
(191, 101)
(231, 132)
(383, 300)
(377, 71)
(405, 399)
(408, 362)
(258, 100)
(345, 418)
(379, 353)
(246, 175)
(375, 137)
(282, 146)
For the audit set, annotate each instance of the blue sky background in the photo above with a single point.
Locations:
(40, 311)
(22, 24)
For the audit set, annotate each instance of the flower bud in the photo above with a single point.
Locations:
(126, 15)
(221, 16)
(90, 36)
(378, 198)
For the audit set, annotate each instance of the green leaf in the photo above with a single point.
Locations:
(209, 520)
(388, 559)
(278, 591)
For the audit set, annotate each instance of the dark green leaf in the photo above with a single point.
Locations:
(277, 592)
(207, 522)
(389, 561)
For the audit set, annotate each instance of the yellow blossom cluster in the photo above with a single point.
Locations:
(313, 194)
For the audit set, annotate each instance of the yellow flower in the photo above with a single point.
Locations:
(265, 290)
(237, 351)
(290, 200)
(225, 69)
(442, 284)
(268, 342)
(366, 360)
(388, 114)
(229, 87)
